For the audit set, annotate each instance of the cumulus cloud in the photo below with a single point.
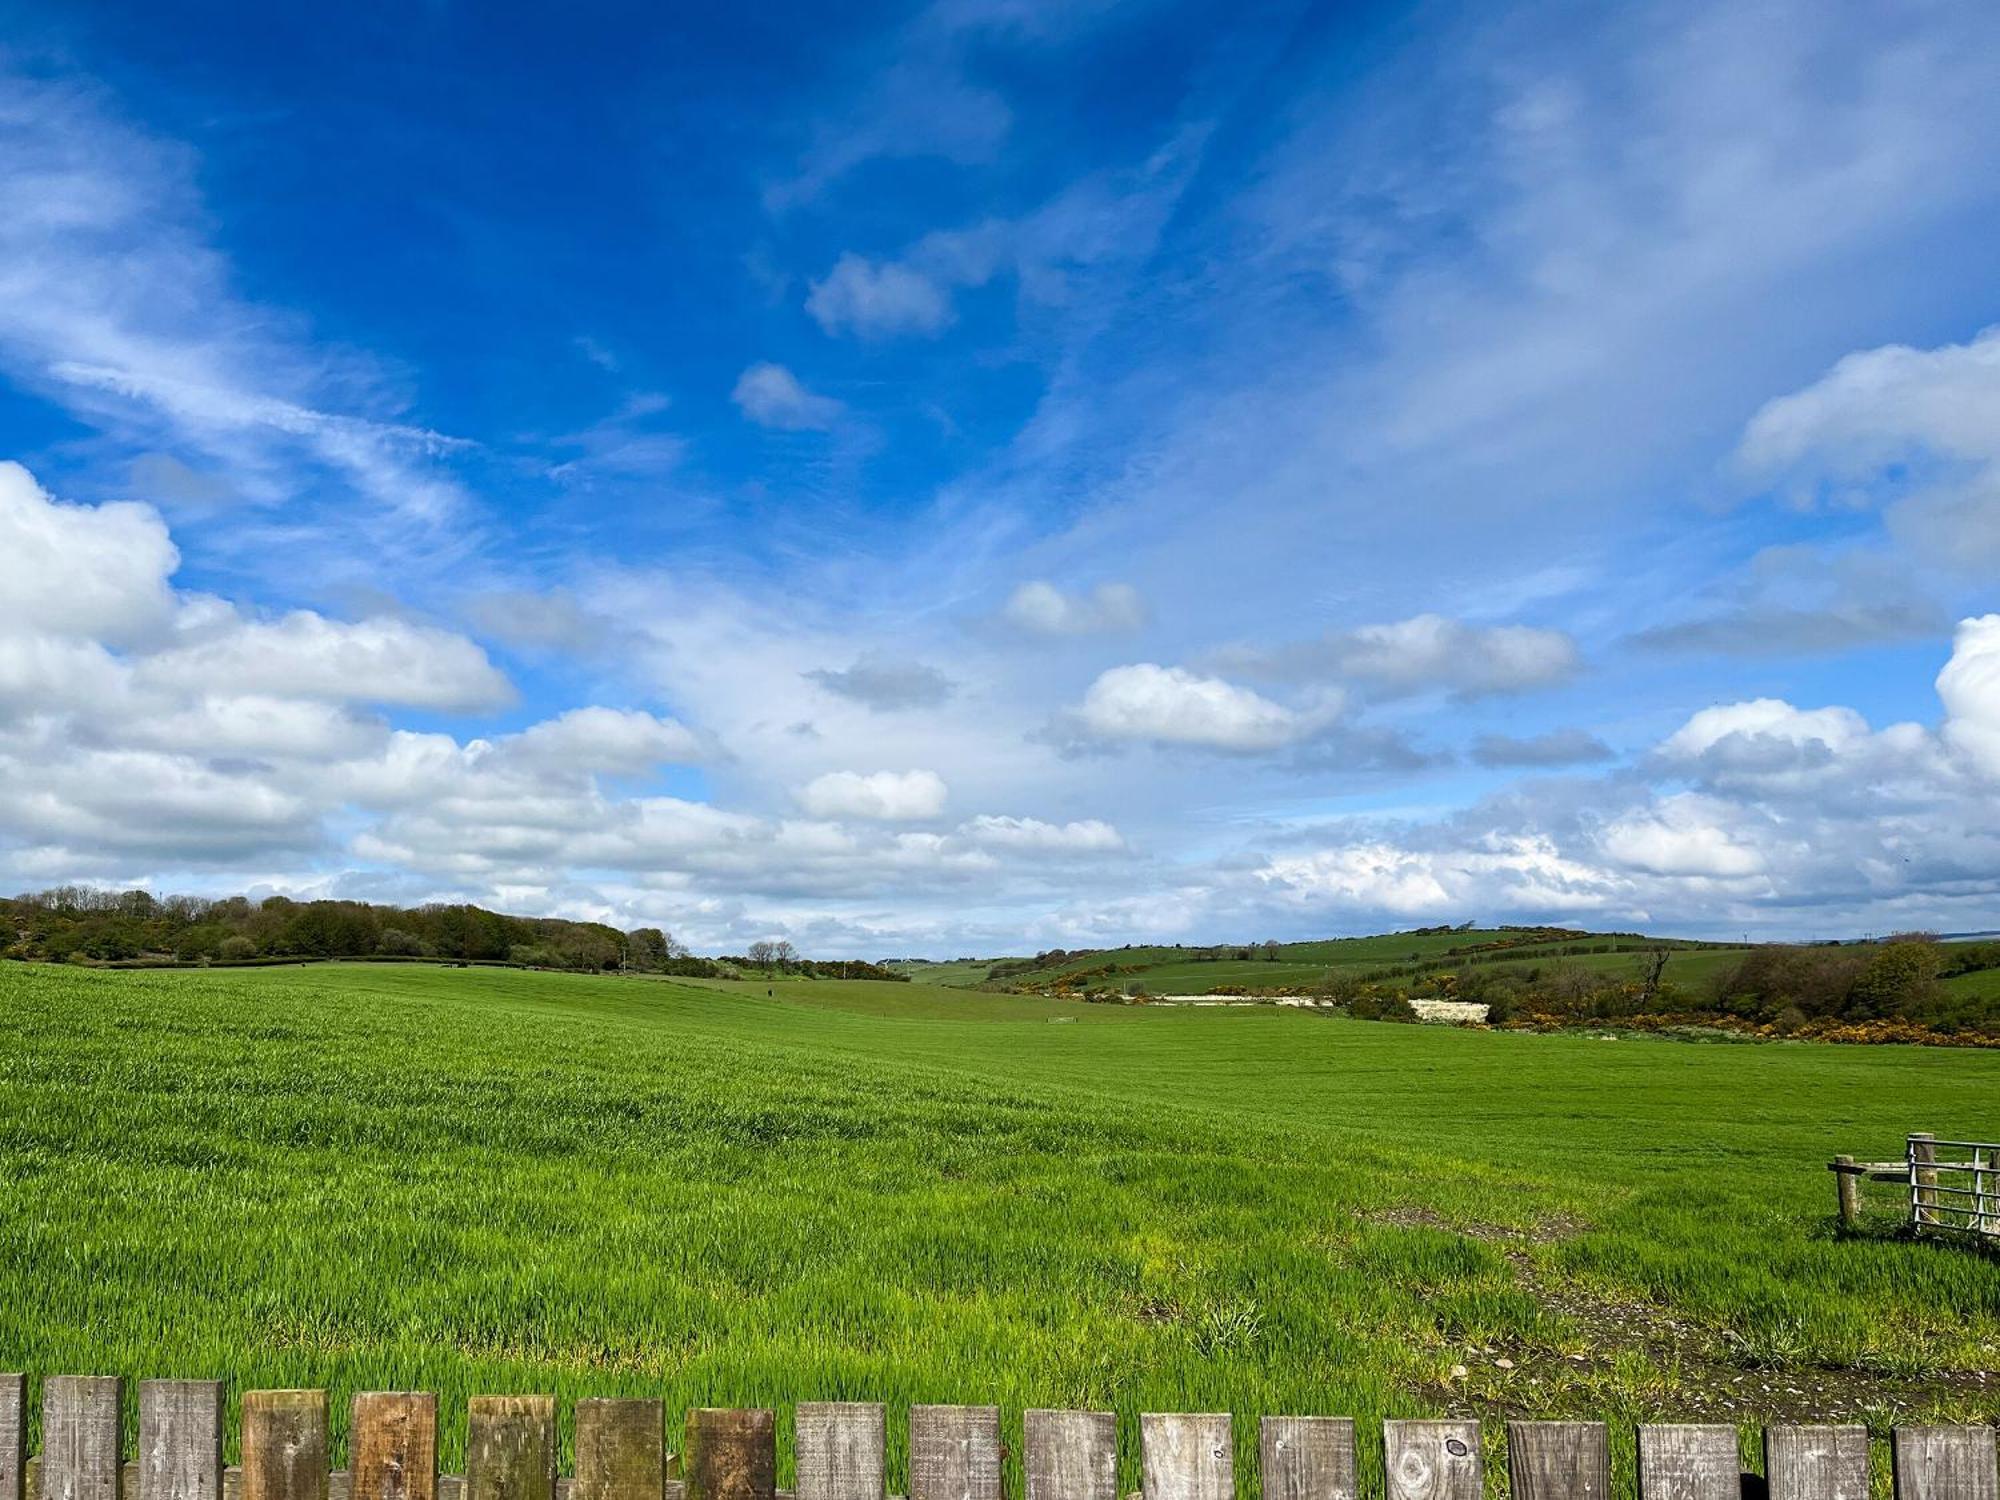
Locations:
(1969, 688)
(618, 741)
(886, 683)
(1148, 703)
(1558, 747)
(1041, 608)
(1682, 835)
(1915, 429)
(877, 300)
(771, 396)
(77, 570)
(1511, 872)
(1419, 654)
(1765, 722)
(306, 655)
(880, 796)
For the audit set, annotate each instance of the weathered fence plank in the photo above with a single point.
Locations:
(1945, 1463)
(954, 1453)
(510, 1449)
(1071, 1455)
(392, 1446)
(731, 1454)
(13, 1435)
(82, 1456)
(1307, 1458)
(1558, 1460)
(284, 1445)
(1432, 1460)
(1187, 1456)
(841, 1449)
(180, 1440)
(620, 1449)
(1816, 1463)
(1689, 1461)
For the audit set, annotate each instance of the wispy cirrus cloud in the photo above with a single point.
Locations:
(114, 304)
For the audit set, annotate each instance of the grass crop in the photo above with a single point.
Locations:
(394, 1177)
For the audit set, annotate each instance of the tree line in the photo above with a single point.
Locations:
(83, 923)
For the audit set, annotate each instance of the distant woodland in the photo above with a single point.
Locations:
(133, 927)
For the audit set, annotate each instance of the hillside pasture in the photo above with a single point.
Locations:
(1179, 971)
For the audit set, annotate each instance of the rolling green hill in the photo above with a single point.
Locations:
(1197, 971)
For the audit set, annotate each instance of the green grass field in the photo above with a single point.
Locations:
(475, 1180)
(1984, 983)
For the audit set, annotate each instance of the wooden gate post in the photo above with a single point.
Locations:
(1847, 1185)
(1923, 1179)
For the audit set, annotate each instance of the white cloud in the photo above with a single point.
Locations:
(771, 396)
(1421, 653)
(882, 796)
(306, 655)
(1173, 706)
(1969, 687)
(1043, 609)
(1766, 719)
(1682, 835)
(878, 300)
(1915, 429)
(1498, 872)
(1090, 835)
(78, 570)
(617, 741)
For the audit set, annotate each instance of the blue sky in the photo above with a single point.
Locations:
(985, 475)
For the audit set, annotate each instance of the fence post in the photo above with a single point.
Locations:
(1688, 1461)
(13, 1434)
(284, 1445)
(1307, 1458)
(510, 1448)
(620, 1448)
(954, 1453)
(82, 1452)
(1847, 1185)
(1923, 1179)
(840, 1450)
(1944, 1463)
(392, 1446)
(731, 1453)
(1186, 1456)
(1436, 1460)
(1558, 1461)
(1816, 1463)
(180, 1440)
(1071, 1455)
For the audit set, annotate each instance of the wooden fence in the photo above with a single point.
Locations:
(955, 1453)
(1949, 1187)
